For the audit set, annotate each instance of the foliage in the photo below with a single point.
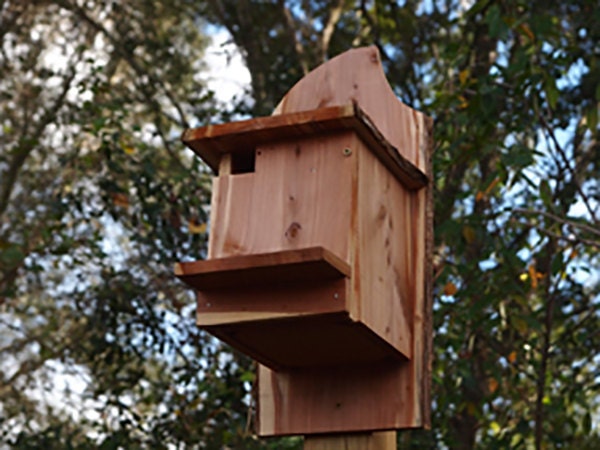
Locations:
(97, 198)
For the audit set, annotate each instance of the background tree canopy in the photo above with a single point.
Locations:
(98, 347)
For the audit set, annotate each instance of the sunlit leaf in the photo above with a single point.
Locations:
(534, 276)
(527, 31)
(495, 427)
(469, 234)
(120, 199)
(195, 227)
(492, 385)
(463, 76)
(450, 288)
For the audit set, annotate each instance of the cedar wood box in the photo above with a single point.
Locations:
(319, 260)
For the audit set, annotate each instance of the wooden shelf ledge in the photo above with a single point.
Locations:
(213, 141)
(314, 263)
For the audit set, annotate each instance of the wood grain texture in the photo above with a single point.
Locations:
(305, 264)
(356, 76)
(299, 196)
(212, 141)
(215, 143)
(390, 253)
(302, 297)
(343, 399)
(385, 440)
(345, 166)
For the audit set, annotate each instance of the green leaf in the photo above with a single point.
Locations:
(546, 193)
(586, 423)
(552, 92)
(11, 257)
(494, 20)
(591, 118)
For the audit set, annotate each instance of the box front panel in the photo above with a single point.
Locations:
(299, 195)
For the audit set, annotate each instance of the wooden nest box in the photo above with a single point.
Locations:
(319, 251)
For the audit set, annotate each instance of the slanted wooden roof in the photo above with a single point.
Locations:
(213, 141)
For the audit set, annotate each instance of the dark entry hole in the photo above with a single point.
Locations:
(243, 162)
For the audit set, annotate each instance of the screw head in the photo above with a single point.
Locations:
(347, 151)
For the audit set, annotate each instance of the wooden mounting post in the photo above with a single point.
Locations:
(383, 440)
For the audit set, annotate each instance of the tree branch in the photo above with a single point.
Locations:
(571, 170)
(128, 57)
(291, 29)
(545, 350)
(28, 143)
(334, 16)
(565, 221)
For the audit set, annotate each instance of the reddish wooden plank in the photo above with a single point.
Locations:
(302, 340)
(383, 440)
(298, 197)
(212, 142)
(352, 398)
(226, 306)
(314, 263)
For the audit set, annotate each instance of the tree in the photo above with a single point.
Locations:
(514, 90)
(98, 197)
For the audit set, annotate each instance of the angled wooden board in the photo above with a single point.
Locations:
(356, 76)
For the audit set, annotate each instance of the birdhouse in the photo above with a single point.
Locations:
(319, 252)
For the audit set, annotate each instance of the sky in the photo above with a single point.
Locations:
(227, 75)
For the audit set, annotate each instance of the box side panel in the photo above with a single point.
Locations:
(386, 247)
(392, 270)
(395, 227)
(232, 209)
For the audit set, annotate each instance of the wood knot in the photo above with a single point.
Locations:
(382, 213)
(375, 57)
(293, 230)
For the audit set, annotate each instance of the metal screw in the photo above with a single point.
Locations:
(336, 295)
(347, 151)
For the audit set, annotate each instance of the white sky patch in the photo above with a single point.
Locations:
(228, 75)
